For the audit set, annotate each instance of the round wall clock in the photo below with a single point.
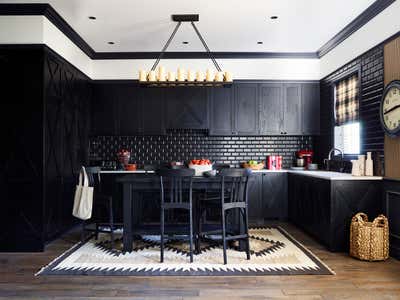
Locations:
(390, 108)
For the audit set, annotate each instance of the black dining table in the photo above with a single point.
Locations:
(132, 183)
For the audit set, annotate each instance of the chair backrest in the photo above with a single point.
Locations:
(234, 183)
(94, 176)
(176, 185)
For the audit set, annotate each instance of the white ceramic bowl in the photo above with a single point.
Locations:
(200, 169)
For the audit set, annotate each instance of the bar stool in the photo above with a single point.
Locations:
(233, 196)
(100, 201)
(176, 193)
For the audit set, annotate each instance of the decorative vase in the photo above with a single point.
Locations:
(355, 170)
(361, 161)
(369, 165)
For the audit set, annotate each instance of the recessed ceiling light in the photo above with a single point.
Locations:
(274, 17)
(111, 43)
(185, 43)
(92, 18)
(260, 43)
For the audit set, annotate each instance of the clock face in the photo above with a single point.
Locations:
(390, 108)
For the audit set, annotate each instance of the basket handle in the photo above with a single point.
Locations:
(380, 221)
(360, 217)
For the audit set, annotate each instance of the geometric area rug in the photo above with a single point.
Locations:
(273, 252)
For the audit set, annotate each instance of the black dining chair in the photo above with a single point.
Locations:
(233, 195)
(101, 203)
(176, 193)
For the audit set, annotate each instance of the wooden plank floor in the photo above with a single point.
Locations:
(353, 280)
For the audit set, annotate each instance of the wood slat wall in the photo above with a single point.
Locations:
(392, 72)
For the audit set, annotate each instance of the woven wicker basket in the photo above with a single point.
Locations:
(369, 240)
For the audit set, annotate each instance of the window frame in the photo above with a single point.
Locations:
(351, 71)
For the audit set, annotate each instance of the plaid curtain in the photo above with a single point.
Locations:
(347, 104)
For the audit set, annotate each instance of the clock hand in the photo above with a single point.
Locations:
(392, 109)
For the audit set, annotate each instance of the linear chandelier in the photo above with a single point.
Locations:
(162, 78)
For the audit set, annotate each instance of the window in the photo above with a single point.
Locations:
(347, 125)
(347, 138)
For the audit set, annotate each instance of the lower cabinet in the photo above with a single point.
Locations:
(267, 197)
(391, 203)
(324, 208)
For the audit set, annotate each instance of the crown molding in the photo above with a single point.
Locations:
(373, 10)
(44, 9)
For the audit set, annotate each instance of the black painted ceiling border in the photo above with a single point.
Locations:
(49, 12)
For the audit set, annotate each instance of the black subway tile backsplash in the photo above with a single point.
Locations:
(183, 145)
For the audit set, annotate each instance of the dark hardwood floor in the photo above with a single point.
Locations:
(353, 280)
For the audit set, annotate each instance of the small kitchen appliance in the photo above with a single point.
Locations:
(304, 158)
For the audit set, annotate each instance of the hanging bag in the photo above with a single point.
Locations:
(83, 199)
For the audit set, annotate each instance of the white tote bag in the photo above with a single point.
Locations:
(83, 200)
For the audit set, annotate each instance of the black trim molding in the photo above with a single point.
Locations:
(48, 11)
(373, 10)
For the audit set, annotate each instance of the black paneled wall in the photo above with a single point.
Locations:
(370, 67)
(183, 145)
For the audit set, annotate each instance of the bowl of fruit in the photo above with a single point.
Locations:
(200, 166)
(253, 165)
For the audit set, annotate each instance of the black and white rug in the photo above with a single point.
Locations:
(273, 252)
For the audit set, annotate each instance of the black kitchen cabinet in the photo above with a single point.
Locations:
(273, 204)
(129, 117)
(104, 110)
(246, 110)
(221, 111)
(310, 103)
(324, 208)
(254, 199)
(391, 204)
(271, 109)
(153, 111)
(292, 109)
(187, 108)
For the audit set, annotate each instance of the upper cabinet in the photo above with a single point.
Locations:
(104, 110)
(292, 109)
(187, 108)
(221, 111)
(246, 109)
(268, 108)
(129, 110)
(310, 103)
(153, 111)
(271, 109)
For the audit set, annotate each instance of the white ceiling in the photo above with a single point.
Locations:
(226, 25)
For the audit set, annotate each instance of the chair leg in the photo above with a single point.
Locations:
(199, 231)
(162, 236)
(83, 231)
(191, 233)
(224, 235)
(111, 224)
(246, 224)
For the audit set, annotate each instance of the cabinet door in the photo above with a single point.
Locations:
(274, 196)
(153, 111)
(246, 109)
(104, 110)
(271, 108)
(187, 108)
(254, 194)
(220, 111)
(292, 110)
(310, 108)
(129, 110)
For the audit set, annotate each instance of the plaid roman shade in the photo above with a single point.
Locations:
(346, 101)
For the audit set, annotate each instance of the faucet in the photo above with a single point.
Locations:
(327, 161)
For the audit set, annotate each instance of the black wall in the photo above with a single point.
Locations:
(370, 68)
(182, 145)
(45, 123)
